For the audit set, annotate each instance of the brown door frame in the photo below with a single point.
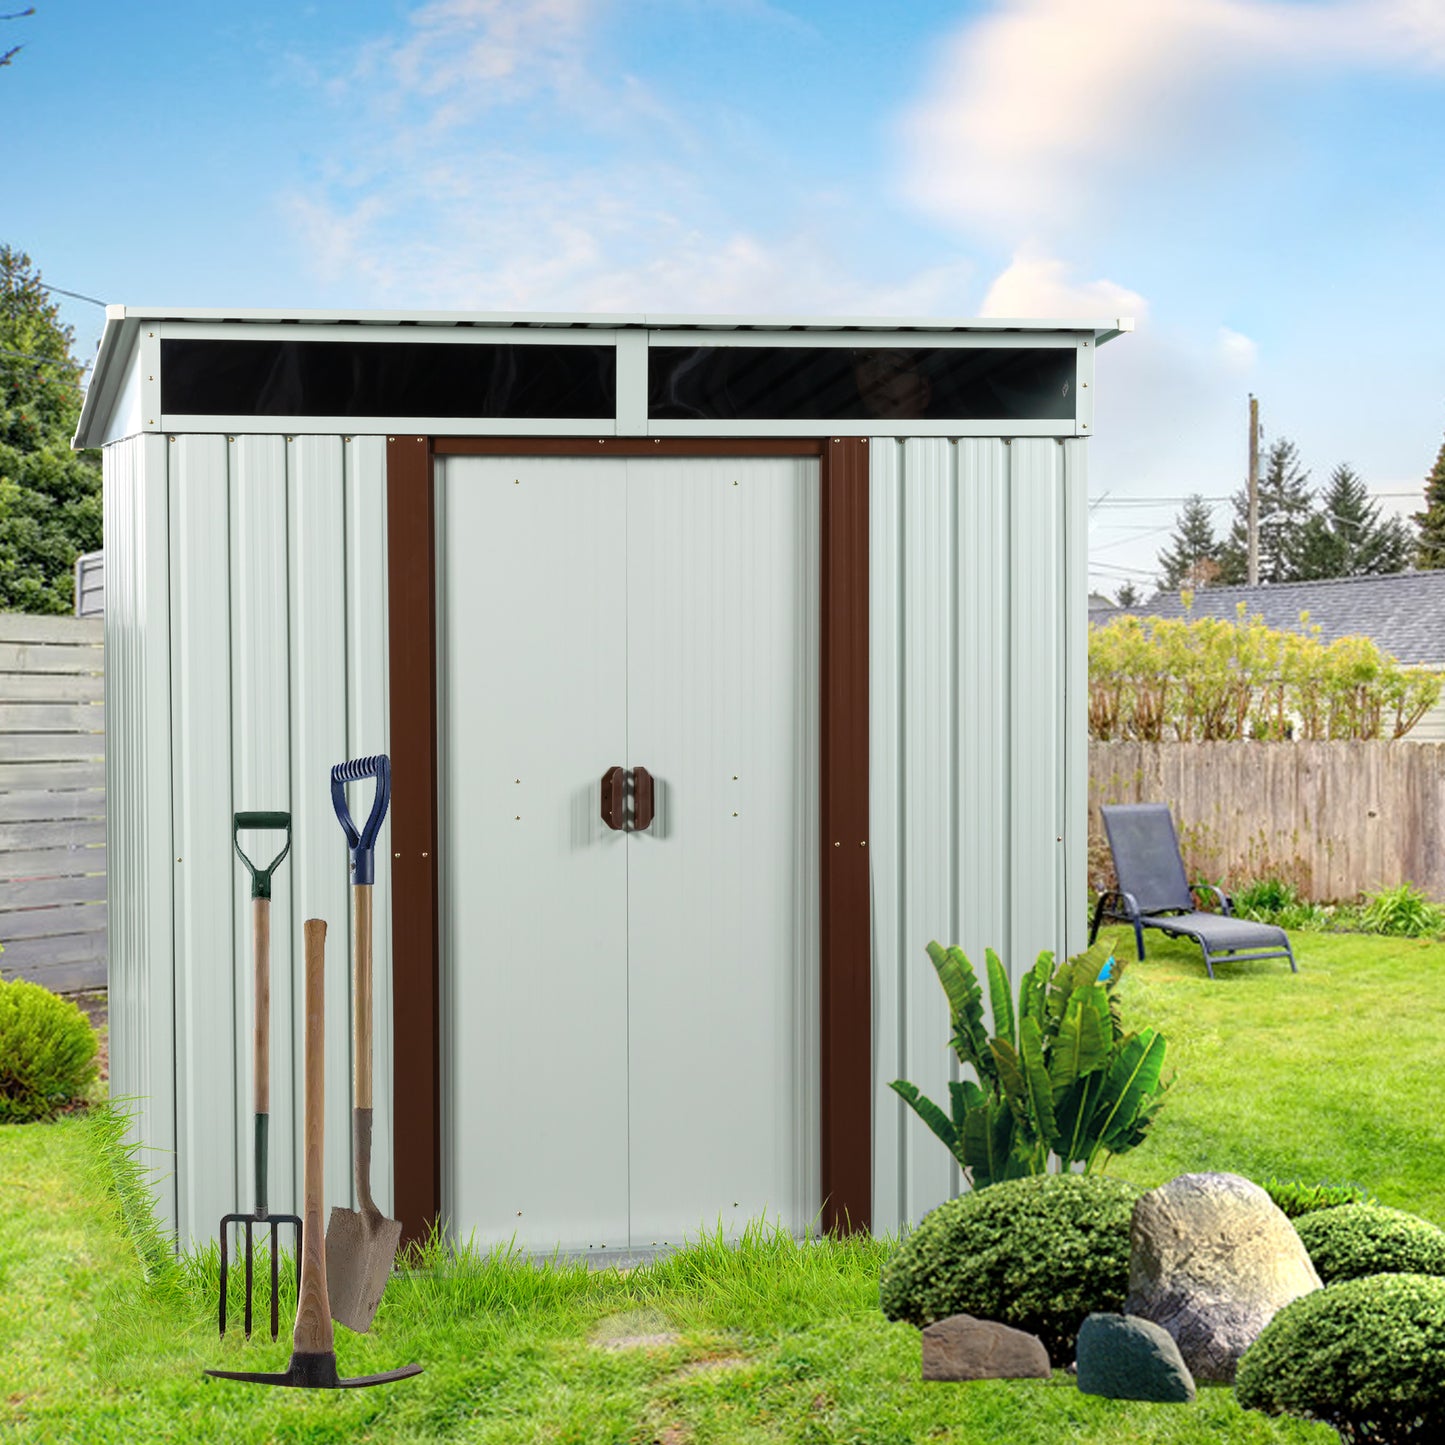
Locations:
(846, 1137)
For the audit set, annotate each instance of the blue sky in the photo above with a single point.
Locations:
(1259, 184)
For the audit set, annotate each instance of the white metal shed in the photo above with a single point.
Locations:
(813, 591)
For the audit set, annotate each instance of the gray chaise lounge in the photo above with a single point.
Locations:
(1155, 893)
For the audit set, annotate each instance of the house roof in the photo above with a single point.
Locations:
(1403, 613)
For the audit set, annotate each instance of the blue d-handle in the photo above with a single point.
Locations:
(363, 844)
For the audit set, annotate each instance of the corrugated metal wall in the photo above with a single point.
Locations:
(979, 778)
(246, 653)
(246, 630)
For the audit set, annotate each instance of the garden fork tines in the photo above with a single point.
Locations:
(260, 1216)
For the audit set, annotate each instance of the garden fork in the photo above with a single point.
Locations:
(261, 914)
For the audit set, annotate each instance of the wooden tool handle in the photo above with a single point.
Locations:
(361, 995)
(313, 1308)
(261, 945)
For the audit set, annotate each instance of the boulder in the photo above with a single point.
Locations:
(1211, 1259)
(963, 1348)
(1131, 1359)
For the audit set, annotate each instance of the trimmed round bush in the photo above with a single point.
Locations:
(1365, 1355)
(1039, 1254)
(47, 1052)
(1360, 1239)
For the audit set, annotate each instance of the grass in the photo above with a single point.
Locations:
(1332, 1074)
(1328, 1074)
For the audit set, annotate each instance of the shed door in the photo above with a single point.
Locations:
(631, 1017)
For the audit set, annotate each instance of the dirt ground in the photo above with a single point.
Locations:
(94, 1006)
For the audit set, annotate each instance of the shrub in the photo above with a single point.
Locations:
(1060, 1081)
(1366, 1355)
(1403, 912)
(1272, 900)
(1039, 1253)
(1371, 1239)
(1296, 1198)
(47, 1052)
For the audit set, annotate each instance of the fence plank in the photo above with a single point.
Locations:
(52, 863)
(52, 922)
(50, 717)
(1336, 819)
(42, 806)
(50, 657)
(50, 747)
(40, 627)
(27, 954)
(67, 833)
(84, 977)
(37, 892)
(52, 687)
(64, 775)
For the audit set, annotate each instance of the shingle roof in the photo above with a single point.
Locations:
(1403, 612)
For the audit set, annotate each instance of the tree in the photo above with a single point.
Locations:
(1346, 536)
(1192, 559)
(1284, 508)
(1129, 595)
(1430, 547)
(50, 509)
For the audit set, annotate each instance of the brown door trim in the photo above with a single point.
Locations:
(416, 977)
(845, 950)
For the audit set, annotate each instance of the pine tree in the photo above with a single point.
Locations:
(50, 509)
(1346, 536)
(1285, 505)
(1430, 546)
(1192, 559)
(1129, 596)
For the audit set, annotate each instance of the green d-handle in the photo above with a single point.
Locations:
(261, 877)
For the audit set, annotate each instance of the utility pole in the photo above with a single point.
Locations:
(1252, 573)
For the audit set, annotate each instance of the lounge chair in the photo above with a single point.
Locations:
(1154, 893)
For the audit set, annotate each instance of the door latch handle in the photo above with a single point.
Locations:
(642, 799)
(614, 782)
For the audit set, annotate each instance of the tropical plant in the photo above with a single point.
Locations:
(1296, 1198)
(1404, 912)
(47, 1051)
(1363, 1239)
(1040, 1254)
(1363, 1355)
(1057, 1084)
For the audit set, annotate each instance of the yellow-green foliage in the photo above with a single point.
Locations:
(47, 1052)
(1207, 679)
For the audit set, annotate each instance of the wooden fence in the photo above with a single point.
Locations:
(1334, 819)
(52, 801)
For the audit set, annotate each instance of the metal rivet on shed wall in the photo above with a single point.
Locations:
(426, 855)
(396, 855)
(837, 845)
(863, 843)
(734, 815)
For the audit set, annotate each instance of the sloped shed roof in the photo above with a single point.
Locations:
(1402, 612)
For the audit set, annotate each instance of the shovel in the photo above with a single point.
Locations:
(313, 1353)
(260, 1219)
(361, 1244)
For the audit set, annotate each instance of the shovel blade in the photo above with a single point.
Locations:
(360, 1252)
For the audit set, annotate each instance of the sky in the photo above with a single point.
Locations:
(1258, 183)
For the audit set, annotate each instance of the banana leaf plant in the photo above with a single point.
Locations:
(1059, 1083)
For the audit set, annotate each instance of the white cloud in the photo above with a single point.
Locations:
(1042, 286)
(1237, 351)
(1043, 107)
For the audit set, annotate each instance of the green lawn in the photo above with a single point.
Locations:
(1333, 1074)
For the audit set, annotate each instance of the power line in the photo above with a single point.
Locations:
(44, 360)
(78, 295)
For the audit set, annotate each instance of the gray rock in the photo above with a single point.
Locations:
(1212, 1258)
(963, 1348)
(1131, 1359)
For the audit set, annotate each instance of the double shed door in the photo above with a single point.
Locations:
(630, 1017)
